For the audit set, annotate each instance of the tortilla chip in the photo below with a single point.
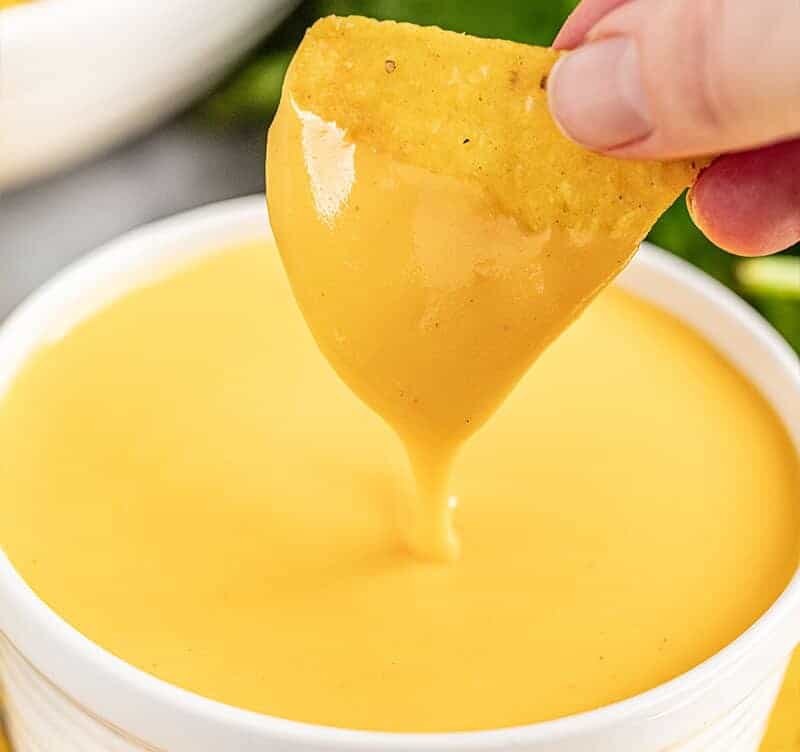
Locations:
(476, 108)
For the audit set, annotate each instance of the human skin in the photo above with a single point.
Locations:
(662, 79)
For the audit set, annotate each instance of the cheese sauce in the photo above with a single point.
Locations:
(186, 481)
(427, 299)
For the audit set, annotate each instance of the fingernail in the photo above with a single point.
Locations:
(597, 97)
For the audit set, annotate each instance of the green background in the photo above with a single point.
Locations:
(251, 95)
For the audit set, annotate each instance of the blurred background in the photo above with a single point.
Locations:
(168, 109)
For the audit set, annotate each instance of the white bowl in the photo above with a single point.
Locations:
(63, 692)
(78, 76)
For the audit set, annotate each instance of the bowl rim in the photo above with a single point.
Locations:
(29, 620)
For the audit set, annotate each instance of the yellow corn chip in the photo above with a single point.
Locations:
(470, 107)
(437, 228)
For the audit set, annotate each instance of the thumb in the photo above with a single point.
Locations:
(674, 78)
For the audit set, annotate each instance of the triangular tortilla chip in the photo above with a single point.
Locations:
(475, 108)
(437, 228)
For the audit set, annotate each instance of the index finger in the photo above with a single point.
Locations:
(581, 20)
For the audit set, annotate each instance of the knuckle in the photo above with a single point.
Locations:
(709, 72)
(688, 72)
(714, 88)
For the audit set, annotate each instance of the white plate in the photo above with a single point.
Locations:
(78, 76)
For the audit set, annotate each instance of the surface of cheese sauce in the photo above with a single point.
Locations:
(188, 483)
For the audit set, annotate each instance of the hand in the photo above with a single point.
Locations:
(660, 79)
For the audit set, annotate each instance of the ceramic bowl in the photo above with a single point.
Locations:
(63, 692)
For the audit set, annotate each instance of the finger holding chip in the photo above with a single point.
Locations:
(653, 79)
